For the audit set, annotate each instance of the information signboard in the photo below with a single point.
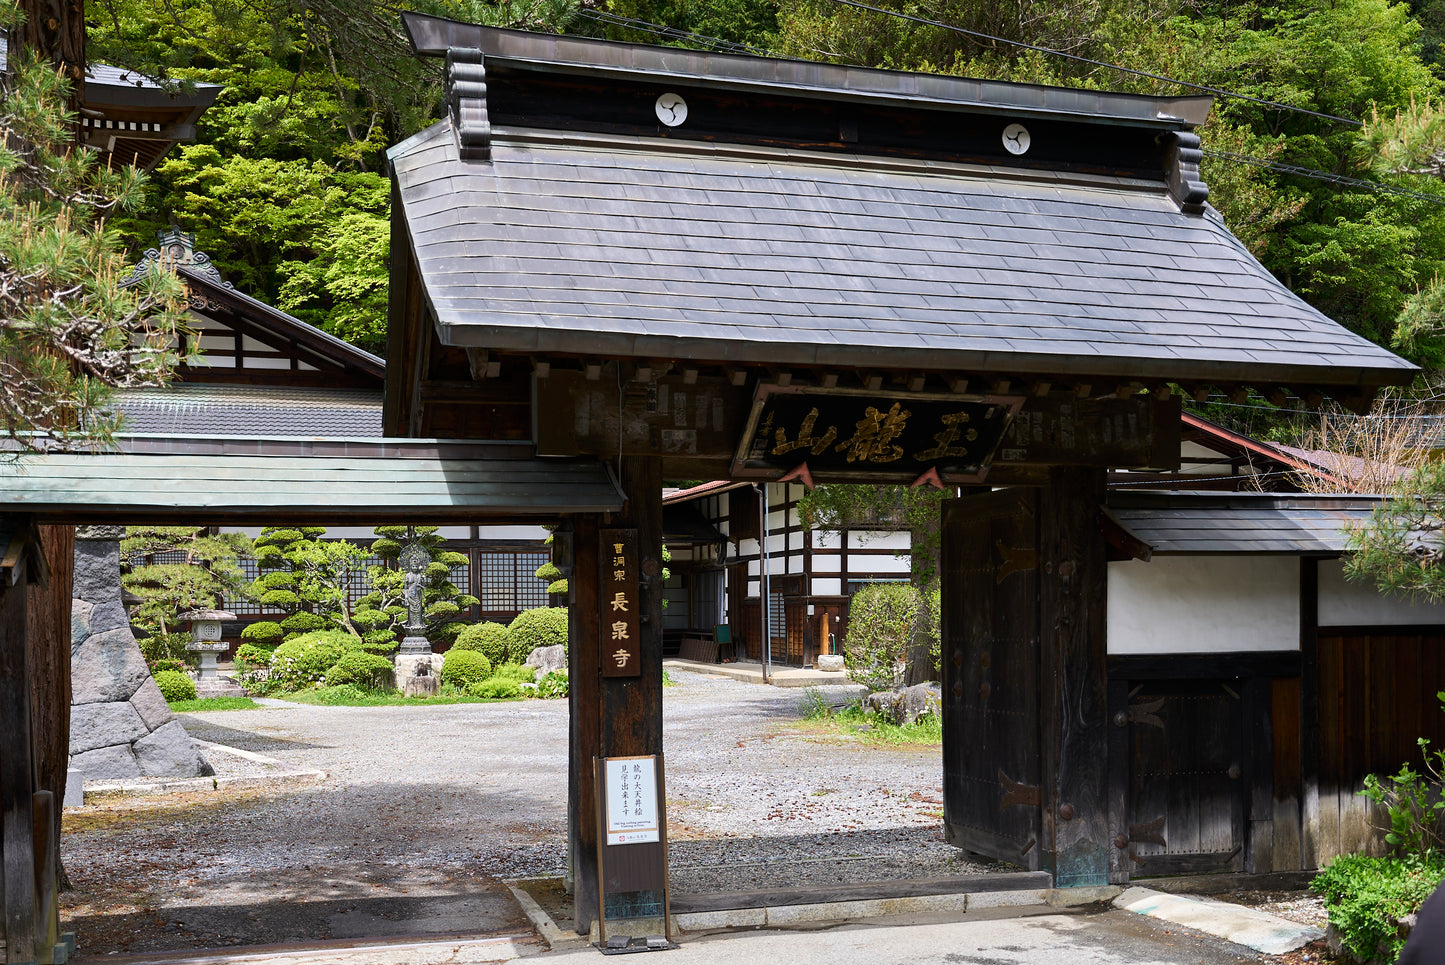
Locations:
(632, 813)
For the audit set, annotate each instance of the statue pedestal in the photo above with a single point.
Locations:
(417, 666)
(414, 643)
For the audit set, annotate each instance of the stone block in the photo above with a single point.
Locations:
(421, 687)
(74, 788)
(170, 752)
(79, 622)
(103, 725)
(548, 659)
(106, 667)
(110, 615)
(99, 531)
(150, 703)
(831, 662)
(116, 763)
(97, 571)
(979, 900)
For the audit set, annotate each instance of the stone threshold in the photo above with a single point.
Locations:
(1013, 893)
(287, 776)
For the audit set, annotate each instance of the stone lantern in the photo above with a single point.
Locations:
(206, 639)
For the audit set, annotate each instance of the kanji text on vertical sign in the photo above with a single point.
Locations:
(619, 603)
(632, 813)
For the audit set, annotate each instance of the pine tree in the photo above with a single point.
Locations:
(308, 578)
(382, 612)
(69, 333)
(204, 580)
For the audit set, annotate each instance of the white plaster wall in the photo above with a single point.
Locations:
(878, 564)
(878, 540)
(1204, 604)
(827, 564)
(829, 587)
(826, 540)
(509, 532)
(1346, 604)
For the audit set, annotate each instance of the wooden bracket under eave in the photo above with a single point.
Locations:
(482, 365)
(800, 473)
(930, 478)
(1122, 539)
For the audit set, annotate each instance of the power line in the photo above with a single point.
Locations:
(1319, 175)
(671, 33)
(1216, 91)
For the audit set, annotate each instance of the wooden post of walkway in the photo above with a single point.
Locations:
(17, 774)
(1074, 675)
(611, 716)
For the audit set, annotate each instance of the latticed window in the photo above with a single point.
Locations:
(532, 592)
(506, 581)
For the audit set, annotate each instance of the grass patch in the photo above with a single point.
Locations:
(667, 680)
(348, 696)
(872, 728)
(212, 703)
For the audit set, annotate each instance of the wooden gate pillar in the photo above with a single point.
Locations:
(611, 716)
(1073, 674)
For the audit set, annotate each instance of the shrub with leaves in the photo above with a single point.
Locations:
(881, 618)
(552, 685)
(515, 671)
(490, 639)
(464, 667)
(544, 626)
(304, 659)
(367, 671)
(382, 612)
(175, 685)
(1366, 898)
(496, 688)
(250, 657)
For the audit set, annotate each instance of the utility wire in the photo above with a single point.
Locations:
(671, 33)
(1217, 91)
(1319, 175)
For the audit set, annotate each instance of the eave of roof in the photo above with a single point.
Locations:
(1190, 524)
(643, 248)
(432, 36)
(283, 480)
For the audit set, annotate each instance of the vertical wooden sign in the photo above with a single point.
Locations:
(618, 603)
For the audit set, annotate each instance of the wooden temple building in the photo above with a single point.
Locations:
(615, 265)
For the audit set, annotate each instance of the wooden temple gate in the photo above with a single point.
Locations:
(810, 273)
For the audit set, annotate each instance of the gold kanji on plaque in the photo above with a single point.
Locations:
(805, 438)
(619, 630)
(622, 656)
(952, 430)
(619, 602)
(872, 440)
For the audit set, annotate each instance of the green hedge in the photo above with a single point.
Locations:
(546, 626)
(358, 668)
(465, 667)
(498, 688)
(303, 660)
(492, 640)
(175, 685)
(880, 626)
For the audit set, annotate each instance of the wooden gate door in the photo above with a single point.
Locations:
(1186, 787)
(991, 753)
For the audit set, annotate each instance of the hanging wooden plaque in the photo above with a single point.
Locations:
(618, 603)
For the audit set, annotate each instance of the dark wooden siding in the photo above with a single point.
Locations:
(1377, 697)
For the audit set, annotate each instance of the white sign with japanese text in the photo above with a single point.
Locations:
(632, 812)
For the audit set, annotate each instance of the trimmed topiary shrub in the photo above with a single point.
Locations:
(303, 622)
(304, 660)
(489, 639)
(361, 669)
(465, 667)
(264, 634)
(175, 685)
(545, 626)
(497, 688)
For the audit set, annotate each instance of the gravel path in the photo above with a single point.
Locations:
(427, 808)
